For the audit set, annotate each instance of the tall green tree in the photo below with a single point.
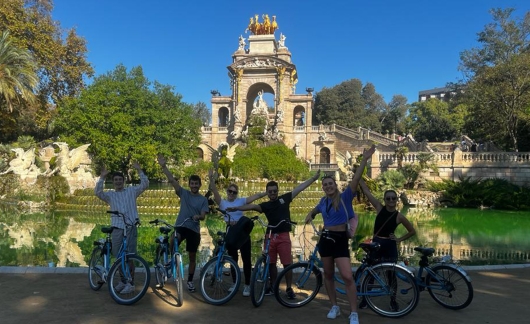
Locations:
(60, 56)
(498, 75)
(201, 111)
(435, 121)
(17, 74)
(350, 104)
(125, 116)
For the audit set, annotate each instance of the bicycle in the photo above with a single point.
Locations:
(447, 283)
(168, 265)
(376, 282)
(259, 280)
(128, 268)
(220, 277)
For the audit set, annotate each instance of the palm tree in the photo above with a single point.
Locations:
(18, 75)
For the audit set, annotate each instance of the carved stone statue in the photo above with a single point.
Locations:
(297, 149)
(22, 163)
(260, 106)
(322, 136)
(237, 115)
(242, 43)
(279, 116)
(281, 41)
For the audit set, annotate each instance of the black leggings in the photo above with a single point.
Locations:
(245, 256)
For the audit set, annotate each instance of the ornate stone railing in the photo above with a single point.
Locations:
(512, 166)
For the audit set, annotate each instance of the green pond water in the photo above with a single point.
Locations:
(64, 238)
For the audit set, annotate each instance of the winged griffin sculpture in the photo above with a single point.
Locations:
(69, 161)
(22, 162)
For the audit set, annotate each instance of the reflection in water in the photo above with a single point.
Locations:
(65, 238)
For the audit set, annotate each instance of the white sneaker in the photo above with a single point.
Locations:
(354, 318)
(334, 312)
(246, 291)
(127, 289)
(232, 288)
(119, 287)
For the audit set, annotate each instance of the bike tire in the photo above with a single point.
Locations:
(178, 274)
(96, 269)
(140, 279)
(455, 293)
(306, 283)
(259, 281)
(216, 280)
(160, 270)
(387, 296)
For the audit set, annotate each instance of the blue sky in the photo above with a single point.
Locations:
(402, 47)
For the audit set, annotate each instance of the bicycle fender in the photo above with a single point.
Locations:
(396, 266)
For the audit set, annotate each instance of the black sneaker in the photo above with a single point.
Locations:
(191, 286)
(363, 304)
(268, 292)
(290, 293)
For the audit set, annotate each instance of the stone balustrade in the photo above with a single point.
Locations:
(512, 166)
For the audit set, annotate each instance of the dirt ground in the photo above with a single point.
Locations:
(500, 296)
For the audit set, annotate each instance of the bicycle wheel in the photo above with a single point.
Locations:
(259, 281)
(390, 290)
(160, 270)
(96, 269)
(449, 287)
(306, 283)
(136, 273)
(178, 273)
(216, 280)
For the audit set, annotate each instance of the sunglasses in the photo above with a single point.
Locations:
(273, 191)
(232, 192)
(391, 198)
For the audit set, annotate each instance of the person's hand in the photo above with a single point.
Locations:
(317, 175)
(196, 218)
(231, 209)
(161, 160)
(393, 237)
(308, 218)
(104, 171)
(367, 153)
(136, 165)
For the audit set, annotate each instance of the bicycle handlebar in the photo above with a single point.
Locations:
(118, 214)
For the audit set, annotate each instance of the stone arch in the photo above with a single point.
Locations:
(252, 94)
(223, 115)
(324, 156)
(199, 154)
(299, 116)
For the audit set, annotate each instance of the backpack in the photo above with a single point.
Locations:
(239, 233)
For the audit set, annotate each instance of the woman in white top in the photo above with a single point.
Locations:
(233, 201)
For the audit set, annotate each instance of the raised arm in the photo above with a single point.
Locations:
(174, 182)
(301, 187)
(254, 197)
(376, 203)
(367, 154)
(98, 190)
(212, 175)
(144, 181)
(245, 208)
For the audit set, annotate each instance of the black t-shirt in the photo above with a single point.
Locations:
(277, 210)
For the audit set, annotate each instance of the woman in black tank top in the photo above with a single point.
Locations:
(387, 220)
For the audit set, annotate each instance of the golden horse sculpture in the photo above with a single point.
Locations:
(265, 28)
